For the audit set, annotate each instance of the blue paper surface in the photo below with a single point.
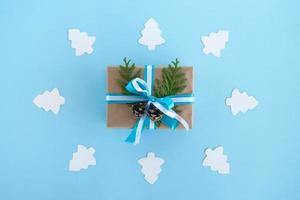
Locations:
(261, 58)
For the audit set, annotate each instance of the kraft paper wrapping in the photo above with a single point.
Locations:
(121, 116)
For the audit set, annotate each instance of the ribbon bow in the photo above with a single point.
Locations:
(142, 91)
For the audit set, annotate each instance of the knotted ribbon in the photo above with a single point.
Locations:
(142, 92)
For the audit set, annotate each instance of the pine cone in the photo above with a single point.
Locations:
(138, 109)
(154, 114)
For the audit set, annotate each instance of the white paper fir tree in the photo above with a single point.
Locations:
(82, 158)
(216, 160)
(151, 35)
(151, 167)
(81, 42)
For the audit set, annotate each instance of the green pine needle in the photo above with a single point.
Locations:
(127, 72)
(173, 80)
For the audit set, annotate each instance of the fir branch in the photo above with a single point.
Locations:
(127, 72)
(173, 80)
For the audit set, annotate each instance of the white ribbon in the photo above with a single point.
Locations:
(182, 121)
(138, 88)
(182, 99)
(149, 84)
(139, 129)
(124, 98)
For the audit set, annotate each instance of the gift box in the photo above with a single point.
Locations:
(120, 108)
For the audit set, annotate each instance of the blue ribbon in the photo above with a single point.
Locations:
(142, 91)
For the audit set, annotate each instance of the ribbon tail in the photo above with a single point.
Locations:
(174, 122)
(183, 122)
(168, 112)
(169, 121)
(136, 131)
(151, 125)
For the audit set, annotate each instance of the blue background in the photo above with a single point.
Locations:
(261, 58)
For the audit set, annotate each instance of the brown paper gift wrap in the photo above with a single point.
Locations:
(121, 116)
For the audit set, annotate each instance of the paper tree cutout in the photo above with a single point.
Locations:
(215, 42)
(216, 160)
(82, 158)
(151, 35)
(49, 101)
(151, 167)
(240, 102)
(81, 42)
